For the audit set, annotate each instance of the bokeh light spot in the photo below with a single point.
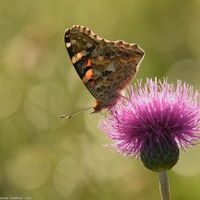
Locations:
(29, 168)
(44, 104)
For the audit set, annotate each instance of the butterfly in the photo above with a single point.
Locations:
(105, 67)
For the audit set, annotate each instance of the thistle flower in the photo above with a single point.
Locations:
(153, 122)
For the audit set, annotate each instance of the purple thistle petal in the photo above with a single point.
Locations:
(156, 112)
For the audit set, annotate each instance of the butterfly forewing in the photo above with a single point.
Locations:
(80, 43)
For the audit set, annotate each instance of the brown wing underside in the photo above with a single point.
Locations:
(105, 67)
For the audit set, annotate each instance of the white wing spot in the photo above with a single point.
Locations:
(79, 56)
(73, 60)
(68, 44)
(89, 45)
(111, 67)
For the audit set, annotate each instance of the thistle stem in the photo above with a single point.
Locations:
(164, 185)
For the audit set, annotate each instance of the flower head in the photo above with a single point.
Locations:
(154, 121)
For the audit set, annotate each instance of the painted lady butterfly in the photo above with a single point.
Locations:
(105, 67)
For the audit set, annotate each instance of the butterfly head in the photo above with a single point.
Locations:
(99, 106)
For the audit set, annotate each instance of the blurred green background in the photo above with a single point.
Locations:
(47, 158)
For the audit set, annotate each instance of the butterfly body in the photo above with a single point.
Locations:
(105, 67)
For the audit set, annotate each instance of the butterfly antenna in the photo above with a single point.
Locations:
(76, 113)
